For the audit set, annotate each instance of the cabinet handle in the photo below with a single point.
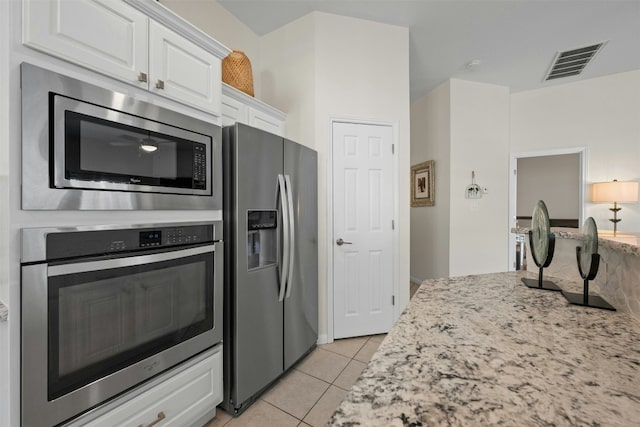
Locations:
(160, 84)
(142, 77)
(161, 416)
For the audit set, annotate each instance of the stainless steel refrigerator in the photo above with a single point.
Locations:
(271, 260)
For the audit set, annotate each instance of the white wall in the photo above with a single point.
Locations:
(602, 114)
(288, 57)
(324, 66)
(479, 228)
(4, 149)
(4, 210)
(554, 179)
(431, 140)
(464, 126)
(219, 23)
(362, 72)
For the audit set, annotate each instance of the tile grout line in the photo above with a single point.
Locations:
(280, 409)
(337, 376)
(332, 382)
(301, 420)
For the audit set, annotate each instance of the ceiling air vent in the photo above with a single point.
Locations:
(572, 62)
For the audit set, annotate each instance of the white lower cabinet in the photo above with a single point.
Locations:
(239, 107)
(179, 401)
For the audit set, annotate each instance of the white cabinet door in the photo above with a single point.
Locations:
(108, 36)
(264, 121)
(180, 70)
(234, 111)
(179, 401)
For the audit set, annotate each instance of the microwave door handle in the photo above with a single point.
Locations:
(284, 268)
(292, 234)
(83, 267)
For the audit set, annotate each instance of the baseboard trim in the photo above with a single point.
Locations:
(415, 280)
(322, 339)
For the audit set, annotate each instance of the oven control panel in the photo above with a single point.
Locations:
(150, 238)
(181, 236)
(99, 242)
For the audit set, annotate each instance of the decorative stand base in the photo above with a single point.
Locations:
(588, 301)
(545, 285)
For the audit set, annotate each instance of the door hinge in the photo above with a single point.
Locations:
(393, 225)
(515, 171)
(393, 300)
(393, 148)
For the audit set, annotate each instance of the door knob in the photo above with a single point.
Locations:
(341, 242)
(160, 84)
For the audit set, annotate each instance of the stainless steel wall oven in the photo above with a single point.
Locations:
(106, 308)
(85, 147)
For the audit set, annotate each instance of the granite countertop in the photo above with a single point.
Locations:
(486, 350)
(4, 312)
(623, 242)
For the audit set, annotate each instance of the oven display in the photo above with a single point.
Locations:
(150, 238)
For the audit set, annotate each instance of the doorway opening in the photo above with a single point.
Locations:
(555, 176)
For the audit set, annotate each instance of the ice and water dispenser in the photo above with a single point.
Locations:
(261, 238)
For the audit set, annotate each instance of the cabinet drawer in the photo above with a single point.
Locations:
(179, 401)
(104, 35)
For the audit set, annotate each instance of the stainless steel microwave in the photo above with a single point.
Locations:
(85, 147)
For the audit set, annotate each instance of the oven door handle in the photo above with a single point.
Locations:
(108, 264)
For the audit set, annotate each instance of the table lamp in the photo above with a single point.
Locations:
(615, 192)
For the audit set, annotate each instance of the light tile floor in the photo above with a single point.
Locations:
(310, 393)
(312, 390)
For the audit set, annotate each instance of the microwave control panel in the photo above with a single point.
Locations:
(199, 166)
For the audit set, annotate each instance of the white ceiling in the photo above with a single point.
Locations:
(515, 40)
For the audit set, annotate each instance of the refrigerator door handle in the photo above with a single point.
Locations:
(284, 267)
(292, 234)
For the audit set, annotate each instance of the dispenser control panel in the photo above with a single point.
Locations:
(261, 238)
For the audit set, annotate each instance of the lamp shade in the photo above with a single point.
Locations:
(614, 191)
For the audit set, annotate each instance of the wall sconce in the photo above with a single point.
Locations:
(615, 192)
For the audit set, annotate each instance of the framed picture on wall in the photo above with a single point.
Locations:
(423, 185)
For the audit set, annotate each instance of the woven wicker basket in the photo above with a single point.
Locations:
(236, 71)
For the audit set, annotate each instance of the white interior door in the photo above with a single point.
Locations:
(362, 229)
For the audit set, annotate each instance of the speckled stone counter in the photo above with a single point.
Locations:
(618, 279)
(486, 350)
(626, 243)
(4, 312)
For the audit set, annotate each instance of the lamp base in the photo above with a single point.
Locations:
(594, 301)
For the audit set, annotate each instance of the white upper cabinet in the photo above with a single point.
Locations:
(265, 121)
(105, 35)
(182, 70)
(140, 42)
(233, 110)
(239, 107)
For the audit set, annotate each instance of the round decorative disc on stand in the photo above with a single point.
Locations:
(589, 245)
(542, 243)
(540, 229)
(588, 262)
